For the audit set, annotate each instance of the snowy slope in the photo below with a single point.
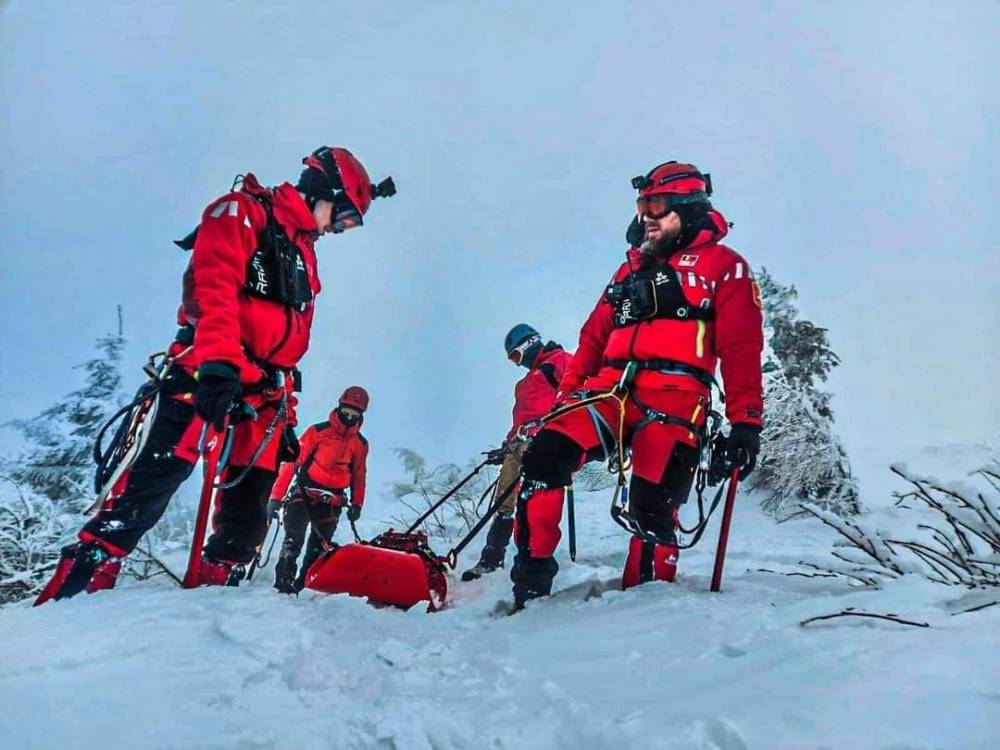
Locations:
(663, 666)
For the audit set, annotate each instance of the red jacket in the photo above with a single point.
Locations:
(229, 323)
(710, 274)
(535, 393)
(333, 456)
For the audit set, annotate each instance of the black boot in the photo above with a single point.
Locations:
(284, 575)
(532, 577)
(492, 556)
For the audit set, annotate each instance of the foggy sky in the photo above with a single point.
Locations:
(849, 143)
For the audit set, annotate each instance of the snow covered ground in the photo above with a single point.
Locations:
(662, 666)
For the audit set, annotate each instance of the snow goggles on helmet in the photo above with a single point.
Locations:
(517, 353)
(344, 215)
(658, 205)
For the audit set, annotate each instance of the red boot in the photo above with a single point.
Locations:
(649, 562)
(220, 573)
(84, 566)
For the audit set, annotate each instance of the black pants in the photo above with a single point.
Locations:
(298, 514)
(553, 457)
(240, 522)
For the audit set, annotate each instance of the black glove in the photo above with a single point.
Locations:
(495, 457)
(273, 509)
(742, 448)
(353, 513)
(290, 448)
(215, 396)
(636, 232)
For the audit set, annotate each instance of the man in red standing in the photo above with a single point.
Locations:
(534, 396)
(245, 318)
(679, 305)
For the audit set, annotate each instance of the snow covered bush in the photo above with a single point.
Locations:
(594, 477)
(50, 482)
(951, 534)
(424, 487)
(801, 458)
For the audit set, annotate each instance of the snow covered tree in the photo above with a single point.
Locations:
(801, 458)
(58, 460)
(45, 488)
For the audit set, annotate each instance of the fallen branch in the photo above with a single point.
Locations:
(975, 609)
(795, 573)
(850, 613)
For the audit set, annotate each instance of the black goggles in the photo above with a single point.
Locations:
(658, 205)
(344, 215)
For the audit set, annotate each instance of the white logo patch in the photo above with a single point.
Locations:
(688, 260)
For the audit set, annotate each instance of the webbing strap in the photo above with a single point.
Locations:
(667, 367)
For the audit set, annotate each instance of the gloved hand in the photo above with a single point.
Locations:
(273, 509)
(742, 448)
(495, 457)
(215, 395)
(353, 513)
(290, 448)
(636, 232)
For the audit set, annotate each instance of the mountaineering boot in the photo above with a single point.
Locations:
(648, 561)
(492, 556)
(220, 572)
(83, 566)
(284, 575)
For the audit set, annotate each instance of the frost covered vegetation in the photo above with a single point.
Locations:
(801, 459)
(423, 487)
(949, 533)
(45, 489)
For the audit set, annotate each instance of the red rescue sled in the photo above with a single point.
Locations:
(395, 568)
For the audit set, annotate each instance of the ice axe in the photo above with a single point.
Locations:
(571, 519)
(727, 517)
(214, 448)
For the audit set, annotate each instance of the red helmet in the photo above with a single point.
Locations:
(674, 177)
(335, 174)
(355, 396)
(673, 187)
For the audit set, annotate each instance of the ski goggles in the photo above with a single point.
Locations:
(516, 354)
(345, 215)
(658, 205)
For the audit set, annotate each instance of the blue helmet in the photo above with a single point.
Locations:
(517, 336)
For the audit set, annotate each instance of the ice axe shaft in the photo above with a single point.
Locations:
(217, 445)
(571, 517)
(727, 517)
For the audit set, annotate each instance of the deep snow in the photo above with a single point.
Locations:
(663, 666)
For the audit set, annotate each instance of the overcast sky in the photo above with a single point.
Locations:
(849, 143)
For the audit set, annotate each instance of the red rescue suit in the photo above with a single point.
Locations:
(535, 393)
(667, 402)
(234, 323)
(333, 457)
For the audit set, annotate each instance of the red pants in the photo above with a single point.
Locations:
(664, 461)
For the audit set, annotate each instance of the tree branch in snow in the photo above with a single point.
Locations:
(875, 615)
(953, 538)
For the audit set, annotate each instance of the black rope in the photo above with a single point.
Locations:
(444, 499)
(452, 556)
(104, 459)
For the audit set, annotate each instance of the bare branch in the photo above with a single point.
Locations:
(875, 615)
